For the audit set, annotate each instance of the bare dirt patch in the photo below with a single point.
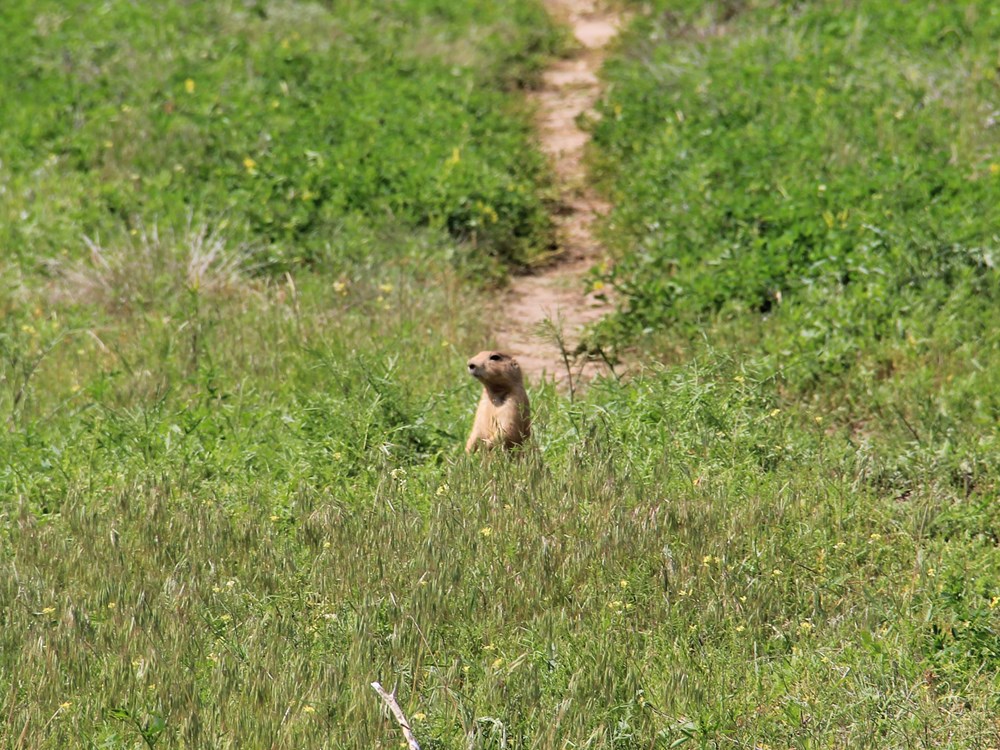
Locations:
(555, 293)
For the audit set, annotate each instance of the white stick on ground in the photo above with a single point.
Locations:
(390, 701)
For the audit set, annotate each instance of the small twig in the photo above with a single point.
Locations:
(390, 701)
(607, 361)
(906, 423)
(554, 330)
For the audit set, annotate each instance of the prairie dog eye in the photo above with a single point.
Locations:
(495, 357)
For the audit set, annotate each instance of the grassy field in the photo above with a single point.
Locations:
(246, 248)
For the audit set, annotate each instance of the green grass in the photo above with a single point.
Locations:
(282, 121)
(812, 189)
(734, 576)
(232, 486)
(830, 171)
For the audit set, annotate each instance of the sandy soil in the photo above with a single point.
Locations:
(556, 293)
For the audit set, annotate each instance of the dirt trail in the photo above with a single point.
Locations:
(569, 87)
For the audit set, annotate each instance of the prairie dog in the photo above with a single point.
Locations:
(503, 417)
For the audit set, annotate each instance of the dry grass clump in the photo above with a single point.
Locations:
(146, 265)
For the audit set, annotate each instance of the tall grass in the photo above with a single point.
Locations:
(627, 585)
(232, 486)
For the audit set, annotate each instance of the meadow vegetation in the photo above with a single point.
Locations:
(817, 187)
(278, 122)
(245, 248)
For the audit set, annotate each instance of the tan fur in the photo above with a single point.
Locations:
(504, 417)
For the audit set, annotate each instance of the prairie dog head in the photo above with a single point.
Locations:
(495, 370)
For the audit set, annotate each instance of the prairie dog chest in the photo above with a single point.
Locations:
(503, 416)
